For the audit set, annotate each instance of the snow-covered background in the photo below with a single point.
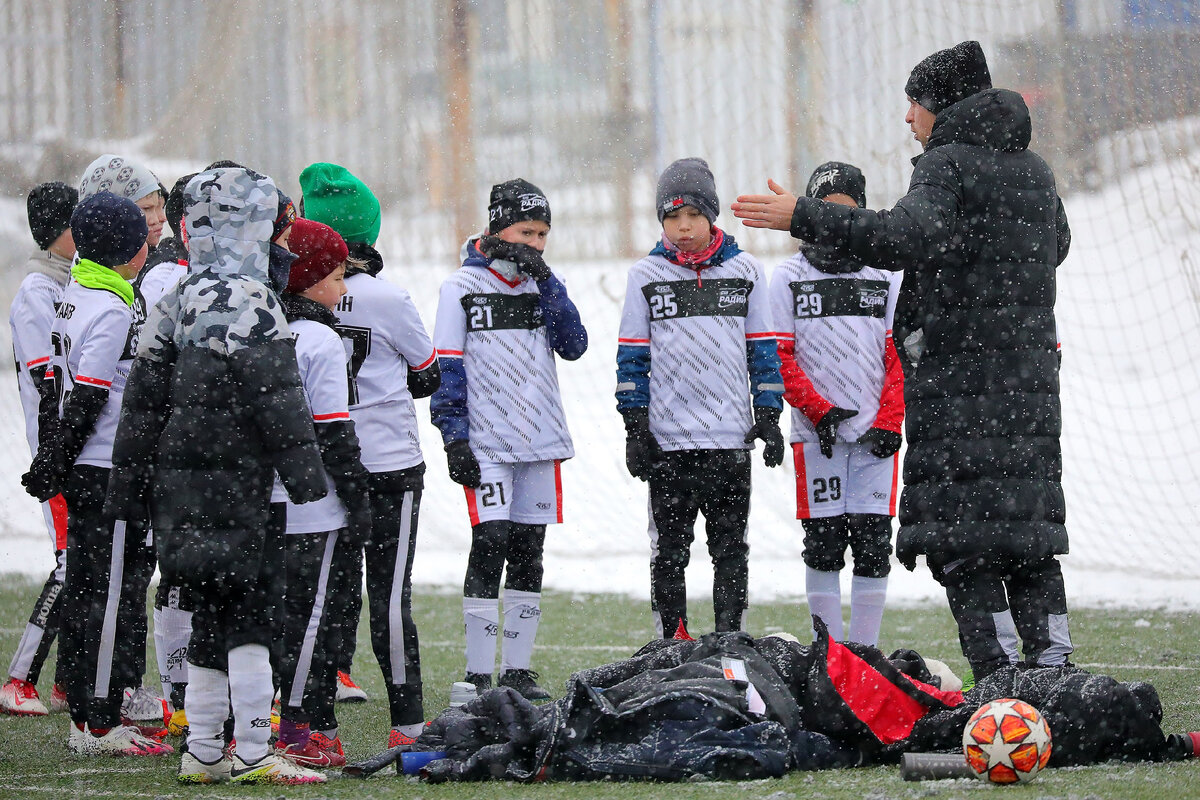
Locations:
(1129, 313)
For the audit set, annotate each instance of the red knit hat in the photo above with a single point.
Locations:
(319, 251)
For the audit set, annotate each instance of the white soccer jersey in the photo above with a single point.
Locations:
(161, 277)
(90, 337)
(697, 327)
(840, 324)
(514, 407)
(30, 320)
(388, 338)
(321, 354)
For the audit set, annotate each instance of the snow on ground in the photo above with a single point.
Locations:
(1128, 318)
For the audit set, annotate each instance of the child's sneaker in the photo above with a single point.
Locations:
(141, 704)
(307, 755)
(331, 747)
(397, 738)
(178, 725)
(82, 743)
(20, 698)
(271, 768)
(193, 770)
(58, 700)
(125, 740)
(276, 714)
(348, 691)
(525, 682)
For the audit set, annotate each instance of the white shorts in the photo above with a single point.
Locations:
(529, 493)
(852, 482)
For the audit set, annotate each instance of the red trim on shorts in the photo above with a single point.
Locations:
(93, 381)
(558, 488)
(895, 484)
(802, 510)
(331, 416)
(472, 508)
(58, 515)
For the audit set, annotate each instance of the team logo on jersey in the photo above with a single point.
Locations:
(807, 287)
(663, 289)
(872, 298)
(480, 301)
(728, 298)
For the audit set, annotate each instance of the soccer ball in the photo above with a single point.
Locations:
(1006, 741)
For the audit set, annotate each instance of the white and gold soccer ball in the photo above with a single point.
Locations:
(1006, 741)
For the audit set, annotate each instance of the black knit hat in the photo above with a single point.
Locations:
(687, 182)
(286, 215)
(515, 201)
(107, 229)
(50, 206)
(838, 177)
(174, 206)
(947, 76)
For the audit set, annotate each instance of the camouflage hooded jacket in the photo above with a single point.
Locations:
(215, 404)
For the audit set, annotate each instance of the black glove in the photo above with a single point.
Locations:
(642, 451)
(906, 554)
(464, 466)
(528, 259)
(44, 478)
(766, 427)
(884, 444)
(827, 428)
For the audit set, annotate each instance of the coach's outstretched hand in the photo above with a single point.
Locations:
(766, 210)
(464, 466)
(827, 428)
(766, 427)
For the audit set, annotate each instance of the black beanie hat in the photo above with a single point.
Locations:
(687, 182)
(838, 177)
(286, 215)
(50, 206)
(947, 76)
(515, 201)
(174, 206)
(107, 229)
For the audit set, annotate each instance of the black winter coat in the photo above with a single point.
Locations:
(214, 405)
(980, 235)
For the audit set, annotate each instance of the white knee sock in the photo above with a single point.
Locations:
(172, 630)
(207, 709)
(824, 591)
(866, 608)
(481, 619)
(522, 613)
(250, 692)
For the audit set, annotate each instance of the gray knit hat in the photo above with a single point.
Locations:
(118, 175)
(687, 182)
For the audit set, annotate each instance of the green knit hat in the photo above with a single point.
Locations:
(333, 196)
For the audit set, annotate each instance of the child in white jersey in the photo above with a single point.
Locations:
(109, 561)
(843, 378)
(502, 318)
(695, 360)
(33, 309)
(322, 537)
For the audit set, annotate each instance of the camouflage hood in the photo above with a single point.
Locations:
(224, 303)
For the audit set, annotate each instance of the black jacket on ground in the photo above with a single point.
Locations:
(979, 235)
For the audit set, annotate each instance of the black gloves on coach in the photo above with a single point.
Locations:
(528, 259)
(884, 444)
(828, 426)
(766, 427)
(464, 467)
(642, 451)
(44, 478)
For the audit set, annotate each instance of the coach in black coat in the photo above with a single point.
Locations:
(979, 234)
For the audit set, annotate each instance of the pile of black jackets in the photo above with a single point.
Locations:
(672, 712)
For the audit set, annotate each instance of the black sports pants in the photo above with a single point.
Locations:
(109, 564)
(989, 593)
(683, 484)
(395, 508)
